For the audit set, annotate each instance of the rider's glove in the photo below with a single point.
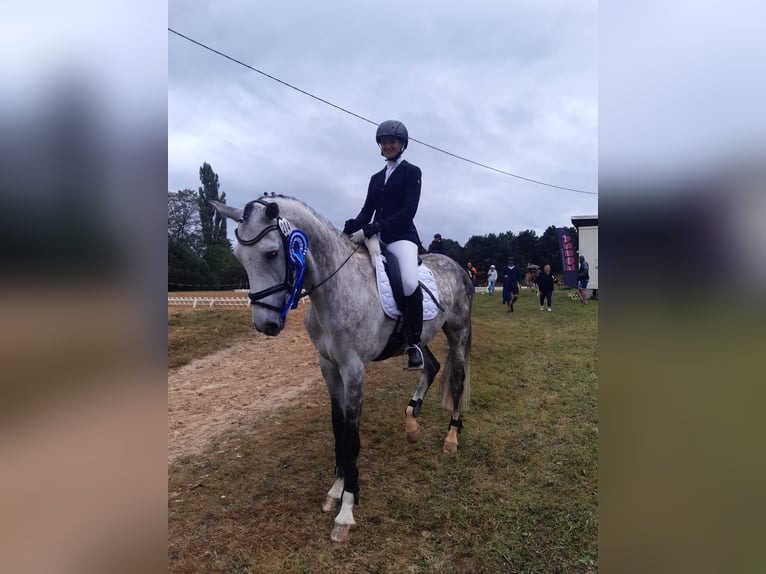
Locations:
(371, 229)
(351, 226)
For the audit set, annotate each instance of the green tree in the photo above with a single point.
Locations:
(453, 250)
(186, 269)
(226, 272)
(183, 219)
(213, 224)
(548, 250)
(505, 244)
(525, 248)
(475, 251)
(200, 255)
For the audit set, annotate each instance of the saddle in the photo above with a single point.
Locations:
(390, 287)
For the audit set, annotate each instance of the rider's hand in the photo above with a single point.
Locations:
(371, 229)
(350, 226)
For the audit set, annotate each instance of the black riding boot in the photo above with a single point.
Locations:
(413, 318)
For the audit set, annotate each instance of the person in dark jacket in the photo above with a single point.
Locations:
(583, 276)
(510, 284)
(471, 270)
(436, 245)
(545, 281)
(389, 209)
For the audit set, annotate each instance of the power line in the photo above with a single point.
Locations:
(342, 109)
(249, 67)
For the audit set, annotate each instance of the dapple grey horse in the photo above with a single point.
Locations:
(283, 245)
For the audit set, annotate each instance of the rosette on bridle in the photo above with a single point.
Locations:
(297, 245)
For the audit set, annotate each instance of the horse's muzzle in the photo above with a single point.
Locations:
(271, 328)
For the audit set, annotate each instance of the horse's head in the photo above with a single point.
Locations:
(262, 249)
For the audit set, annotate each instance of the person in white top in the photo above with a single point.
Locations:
(491, 279)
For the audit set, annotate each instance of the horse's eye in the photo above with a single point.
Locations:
(272, 254)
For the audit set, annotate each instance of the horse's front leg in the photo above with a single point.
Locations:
(334, 495)
(346, 397)
(334, 384)
(430, 368)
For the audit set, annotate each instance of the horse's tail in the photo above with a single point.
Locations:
(465, 399)
(449, 377)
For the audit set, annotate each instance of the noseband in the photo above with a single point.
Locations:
(295, 245)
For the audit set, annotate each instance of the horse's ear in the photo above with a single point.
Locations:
(225, 210)
(272, 210)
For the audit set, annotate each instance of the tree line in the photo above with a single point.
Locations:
(200, 256)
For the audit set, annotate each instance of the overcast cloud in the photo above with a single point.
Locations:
(512, 85)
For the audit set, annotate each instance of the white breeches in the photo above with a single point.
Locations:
(406, 253)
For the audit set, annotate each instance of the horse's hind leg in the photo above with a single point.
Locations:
(456, 423)
(456, 383)
(430, 368)
(450, 441)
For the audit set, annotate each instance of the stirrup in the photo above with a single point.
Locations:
(406, 359)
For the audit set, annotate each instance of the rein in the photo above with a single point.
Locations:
(295, 243)
(318, 285)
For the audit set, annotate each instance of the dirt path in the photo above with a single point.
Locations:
(232, 388)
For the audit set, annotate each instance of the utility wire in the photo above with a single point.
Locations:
(249, 67)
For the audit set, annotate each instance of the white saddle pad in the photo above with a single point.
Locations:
(387, 295)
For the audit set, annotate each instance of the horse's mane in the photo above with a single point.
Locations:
(311, 210)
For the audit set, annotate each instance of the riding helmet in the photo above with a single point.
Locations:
(393, 128)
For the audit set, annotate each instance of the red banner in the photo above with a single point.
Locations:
(568, 256)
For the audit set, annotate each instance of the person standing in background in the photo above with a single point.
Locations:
(436, 245)
(510, 284)
(471, 270)
(545, 282)
(491, 279)
(583, 276)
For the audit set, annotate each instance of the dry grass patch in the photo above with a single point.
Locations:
(195, 332)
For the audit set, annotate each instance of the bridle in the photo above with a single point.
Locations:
(295, 245)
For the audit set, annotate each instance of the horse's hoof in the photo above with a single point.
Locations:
(413, 436)
(449, 447)
(331, 504)
(341, 532)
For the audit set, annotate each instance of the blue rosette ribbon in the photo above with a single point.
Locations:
(297, 246)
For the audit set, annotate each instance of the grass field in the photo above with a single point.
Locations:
(520, 495)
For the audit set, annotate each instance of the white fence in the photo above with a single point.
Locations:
(209, 301)
(195, 302)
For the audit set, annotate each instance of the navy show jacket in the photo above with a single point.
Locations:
(394, 203)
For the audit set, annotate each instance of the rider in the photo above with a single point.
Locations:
(392, 196)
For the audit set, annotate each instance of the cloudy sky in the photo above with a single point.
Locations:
(509, 84)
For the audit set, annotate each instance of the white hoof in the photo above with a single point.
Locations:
(331, 504)
(341, 532)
